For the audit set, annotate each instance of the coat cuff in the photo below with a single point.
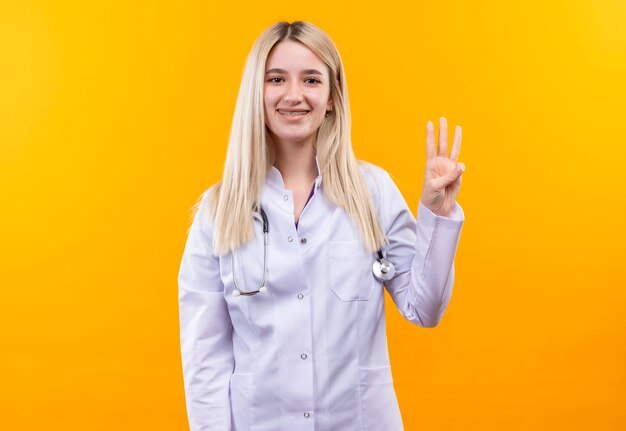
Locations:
(455, 218)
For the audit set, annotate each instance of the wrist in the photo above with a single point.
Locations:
(437, 212)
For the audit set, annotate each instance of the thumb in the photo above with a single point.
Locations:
(450, 177)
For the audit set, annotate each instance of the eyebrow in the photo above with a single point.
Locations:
(306, 71)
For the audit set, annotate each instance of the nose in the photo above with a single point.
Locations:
(293, 93)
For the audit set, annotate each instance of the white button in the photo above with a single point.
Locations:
(289, 238)
(286, 197)
(303, 356)
(300, 296)
(306, 414)
(303, 241)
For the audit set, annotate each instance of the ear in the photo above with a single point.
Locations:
(329, 105)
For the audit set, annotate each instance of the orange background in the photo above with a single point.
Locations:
(114, 117)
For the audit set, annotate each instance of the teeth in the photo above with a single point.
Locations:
(291, 114)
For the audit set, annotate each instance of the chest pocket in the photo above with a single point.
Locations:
(350, 273)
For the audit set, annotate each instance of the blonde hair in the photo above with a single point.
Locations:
(250, 153)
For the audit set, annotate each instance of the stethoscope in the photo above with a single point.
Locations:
(382, 268)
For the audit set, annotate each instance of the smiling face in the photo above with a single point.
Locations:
(296, 93)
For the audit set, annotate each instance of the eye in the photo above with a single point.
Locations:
(272, 79)
(315, 80)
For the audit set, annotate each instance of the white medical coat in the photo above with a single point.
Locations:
(311, 353)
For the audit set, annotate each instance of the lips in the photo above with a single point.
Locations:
(293, 114)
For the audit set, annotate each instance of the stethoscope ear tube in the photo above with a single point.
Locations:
(266, 223)
(262, 288)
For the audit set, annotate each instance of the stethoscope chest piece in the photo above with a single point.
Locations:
(382, 268)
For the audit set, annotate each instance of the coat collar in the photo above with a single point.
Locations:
(275, 178)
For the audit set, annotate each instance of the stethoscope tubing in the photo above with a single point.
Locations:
(382, 268)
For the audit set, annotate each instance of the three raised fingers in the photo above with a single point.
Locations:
(431, 151)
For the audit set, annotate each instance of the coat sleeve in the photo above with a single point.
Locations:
(205, 331)
(422, 252)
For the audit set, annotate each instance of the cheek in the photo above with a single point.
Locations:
(322, 100)
(270, 98)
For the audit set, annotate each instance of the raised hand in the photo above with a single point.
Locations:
(442, 176)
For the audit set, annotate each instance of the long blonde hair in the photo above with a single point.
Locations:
(250, 153)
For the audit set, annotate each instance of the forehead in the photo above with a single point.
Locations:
(293, 56)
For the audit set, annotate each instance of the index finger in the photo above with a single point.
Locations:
(431, 152)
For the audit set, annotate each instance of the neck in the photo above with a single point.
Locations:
(296, 163)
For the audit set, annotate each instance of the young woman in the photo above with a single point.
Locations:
(282, 319)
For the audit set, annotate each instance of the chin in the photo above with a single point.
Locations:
(294, 138)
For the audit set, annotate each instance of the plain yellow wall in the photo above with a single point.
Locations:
(114, 117)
